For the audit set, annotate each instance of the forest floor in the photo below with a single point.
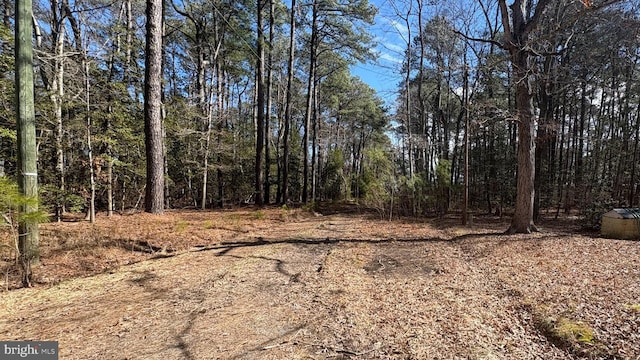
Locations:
(289, 284)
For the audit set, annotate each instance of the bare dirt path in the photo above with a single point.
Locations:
(343, 287)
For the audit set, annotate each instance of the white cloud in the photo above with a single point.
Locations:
(390, 58)
(399, 27)
(391, 41)
(396, 48)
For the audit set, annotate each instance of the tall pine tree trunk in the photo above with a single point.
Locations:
(523, 20)
(465, 211)
(314, 144)
(92, 180)
(522, 221)
(207, 146)
(543, 175)
(267, 131)
(57, 95)
(154, 196)
(287, 115)
(28, 241)
(222, 93)
(309, 107)
(260, 108)
(421, 101)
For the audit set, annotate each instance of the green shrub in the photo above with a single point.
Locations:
(11, 202)
(592, 212)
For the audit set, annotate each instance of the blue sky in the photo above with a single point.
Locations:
(385, 73)
(391, 35)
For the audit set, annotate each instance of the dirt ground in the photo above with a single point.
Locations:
(288, 284)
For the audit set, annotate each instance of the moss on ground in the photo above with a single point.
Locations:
(566, 332)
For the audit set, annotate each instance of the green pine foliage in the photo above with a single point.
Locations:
(333, 180)
(11, 201)
(588, 107)
(377, 183)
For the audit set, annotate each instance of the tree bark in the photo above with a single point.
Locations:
(28, 241)
(522, 221)
(219, 127)
(309, 107)
(267, 131)
(92, 180)
(422, 116)
(57, 94)
(543, 174)
(154, 196)
(260, 110)
(517, 28)
(288, 101)
(314, 143)
(407, 103)
(465, 208)
(6, 18)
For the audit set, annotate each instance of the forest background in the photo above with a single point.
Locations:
(529, 109)
(259, 105)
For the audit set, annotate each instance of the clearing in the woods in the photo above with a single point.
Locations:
(288, 284)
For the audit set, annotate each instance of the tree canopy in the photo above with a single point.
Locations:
(258, 103)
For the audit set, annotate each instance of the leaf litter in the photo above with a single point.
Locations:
(287, 284)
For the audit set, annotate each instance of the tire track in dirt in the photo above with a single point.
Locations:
(271, 302)
(319, 289)
(425, 300)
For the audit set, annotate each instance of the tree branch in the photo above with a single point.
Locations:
(504, 11)
(182, 12)
(36, 31)
(531, 24)
(602, 5)
(488, 41)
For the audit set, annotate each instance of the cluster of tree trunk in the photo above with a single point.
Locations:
(528, 106)
(541, 82)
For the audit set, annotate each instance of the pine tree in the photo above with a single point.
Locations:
(154, 198)
(27, 152)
